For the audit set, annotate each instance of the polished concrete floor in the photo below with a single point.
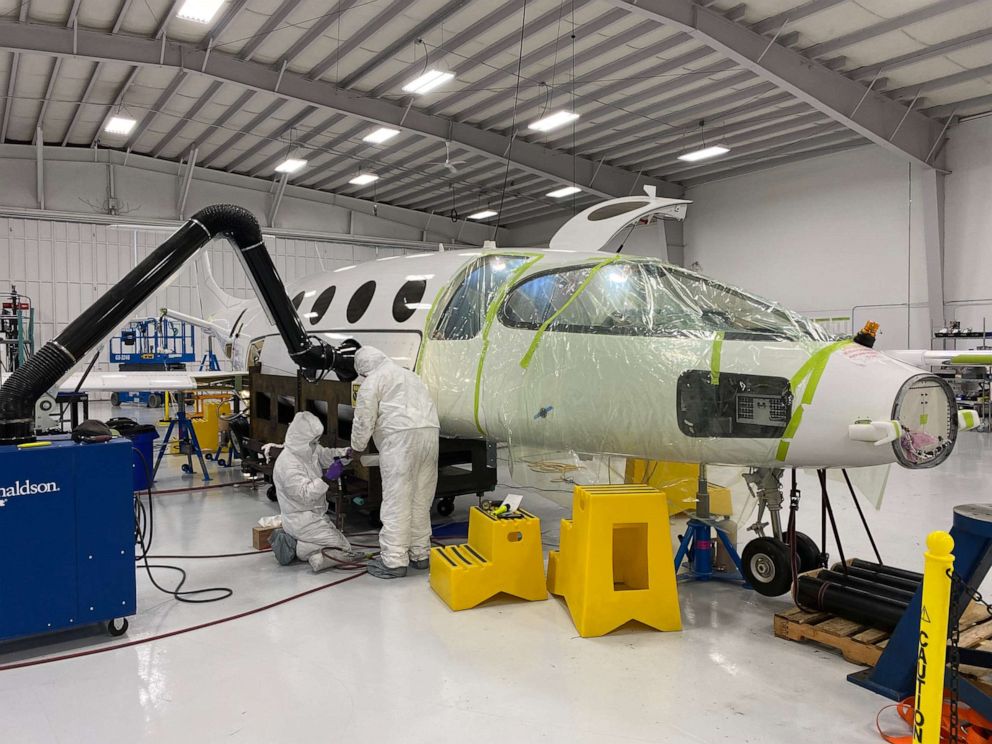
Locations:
(379, 661)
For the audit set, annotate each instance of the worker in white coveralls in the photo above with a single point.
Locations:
(298, 476)
(396, 410)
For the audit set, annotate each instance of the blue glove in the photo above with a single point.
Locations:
(335, 470)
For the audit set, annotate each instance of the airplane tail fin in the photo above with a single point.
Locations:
(213, 299)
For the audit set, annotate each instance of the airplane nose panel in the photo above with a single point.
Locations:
(927, 413)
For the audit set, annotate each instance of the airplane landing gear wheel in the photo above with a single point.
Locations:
(154, 400)
(807, 552)
(765, 562)
(115, 400)
(117, 627)
(271, 493)
(446, 507)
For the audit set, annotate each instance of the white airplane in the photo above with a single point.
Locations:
(569, 348)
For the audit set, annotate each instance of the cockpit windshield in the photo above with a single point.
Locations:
(647, 298)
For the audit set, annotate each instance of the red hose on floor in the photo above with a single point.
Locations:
(181, 631)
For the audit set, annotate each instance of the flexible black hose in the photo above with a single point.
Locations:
(23, 388)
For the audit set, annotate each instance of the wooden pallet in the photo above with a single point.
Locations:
(863, 645)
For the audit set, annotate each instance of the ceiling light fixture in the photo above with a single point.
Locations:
(565, 191)
(119, 125)
(427, 82)
(291, 165)
(483, 215)
(380, 135)
(553, 121)
(363, 179)
(199, 11)
(703, 154)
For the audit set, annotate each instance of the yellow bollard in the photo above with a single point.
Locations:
(936, 606)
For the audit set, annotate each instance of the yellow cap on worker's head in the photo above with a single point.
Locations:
(940, 543)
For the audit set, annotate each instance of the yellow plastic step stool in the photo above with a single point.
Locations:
(502, 555)
(614, 563)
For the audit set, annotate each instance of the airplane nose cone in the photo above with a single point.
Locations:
(926, 411)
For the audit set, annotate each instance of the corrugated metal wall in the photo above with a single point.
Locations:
(65, 266)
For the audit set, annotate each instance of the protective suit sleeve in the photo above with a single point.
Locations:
(366, 414)
(312, 492)
(326, 455)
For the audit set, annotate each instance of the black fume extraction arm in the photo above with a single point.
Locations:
(23, 388)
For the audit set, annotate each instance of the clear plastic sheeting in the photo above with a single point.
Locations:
(626, 356)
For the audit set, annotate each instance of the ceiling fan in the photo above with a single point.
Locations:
(448, 164)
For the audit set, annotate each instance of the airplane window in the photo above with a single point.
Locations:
(298, 300)
(359, 302)
(408, 298)
(646, 298)
(465, 312)
(320, 306)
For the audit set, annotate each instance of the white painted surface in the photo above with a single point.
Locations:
(388, 662)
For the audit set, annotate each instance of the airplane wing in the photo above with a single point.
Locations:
(945, 358)
(146, 381)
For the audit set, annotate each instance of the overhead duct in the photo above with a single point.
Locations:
(23, 388)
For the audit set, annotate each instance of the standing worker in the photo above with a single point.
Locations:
(302, 494)
(396, 410)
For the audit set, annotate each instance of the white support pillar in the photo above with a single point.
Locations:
(932, 183)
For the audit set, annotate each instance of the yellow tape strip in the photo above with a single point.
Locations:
(813, 369)
(525, 361)
(490, 317)
(427, 330)
(715, 358)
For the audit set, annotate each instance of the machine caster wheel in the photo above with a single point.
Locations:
(807, 552)
(222, 463)
(446, 507)
(765, 564)
(154, 400)
(208, 456)
(115, 400)
(187, 469)
(117, 627)
(271, 493)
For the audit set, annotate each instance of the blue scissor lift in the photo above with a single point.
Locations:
(151, 345)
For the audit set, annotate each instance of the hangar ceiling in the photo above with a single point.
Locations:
(774, 81)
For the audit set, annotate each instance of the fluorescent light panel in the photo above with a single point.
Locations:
(428, 81)
(380, 135)
(200, 11)
(707, 152)
(364, 178)
(565, 191)
(553, 121)
(291, 165)
(483, 215)
(119, 125)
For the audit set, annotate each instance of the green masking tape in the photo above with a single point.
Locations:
(525, 361)
(427, 331)
(490, 317)
(813, 369)
(715, 358)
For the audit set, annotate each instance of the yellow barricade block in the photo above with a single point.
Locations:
(502, 555)
(680, 482)
(614, 563)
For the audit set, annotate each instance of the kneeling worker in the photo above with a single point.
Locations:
(396, 409)
(302, 494)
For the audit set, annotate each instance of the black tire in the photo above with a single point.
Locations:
(115, 400)
(271, 493)
(154, 400)
(766, 567)
(187, 469)
(446, 507)
(208, 455)
(374, 520)
(117, 627)
(222, 462)
(807, 552)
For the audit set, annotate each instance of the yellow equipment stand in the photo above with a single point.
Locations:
(502, 555)
(679, 481)
(615, 560)
(938, 561)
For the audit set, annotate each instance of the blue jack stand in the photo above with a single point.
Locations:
(699, 539)
(894, 676)
(183, 427)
